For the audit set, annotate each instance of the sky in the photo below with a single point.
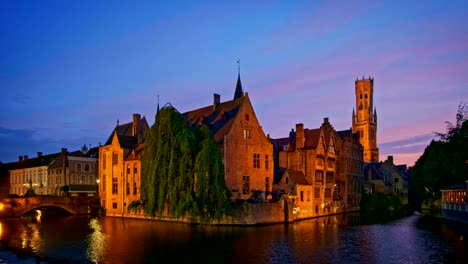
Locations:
(70, 69)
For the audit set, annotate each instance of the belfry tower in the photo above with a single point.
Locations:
(365, 119)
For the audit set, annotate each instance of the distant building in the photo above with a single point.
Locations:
(120, 166)
(74, 173)
(246, 152)
(4, 181)
(364, 120)
(385, 177)
(30, 173)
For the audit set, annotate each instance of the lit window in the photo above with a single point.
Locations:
(246, 134)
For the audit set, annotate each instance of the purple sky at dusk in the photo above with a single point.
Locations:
(69, 70)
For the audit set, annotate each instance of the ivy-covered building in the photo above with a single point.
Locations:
(246, 151)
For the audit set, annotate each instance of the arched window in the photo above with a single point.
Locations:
(78, 167)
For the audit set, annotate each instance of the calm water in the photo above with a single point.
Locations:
(336, 239)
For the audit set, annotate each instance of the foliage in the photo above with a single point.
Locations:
(444, 161)
(134, 206)
(175, 158)
(379, 202)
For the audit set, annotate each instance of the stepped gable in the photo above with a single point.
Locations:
(218, 119)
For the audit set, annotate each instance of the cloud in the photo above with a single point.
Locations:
(410, 145)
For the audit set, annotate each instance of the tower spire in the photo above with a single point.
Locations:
(239, 91)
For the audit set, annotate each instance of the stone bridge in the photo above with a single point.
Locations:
(16, 207)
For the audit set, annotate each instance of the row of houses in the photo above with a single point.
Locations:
(324, 170)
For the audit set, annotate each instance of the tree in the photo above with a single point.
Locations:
(444, 161)
(183, 170)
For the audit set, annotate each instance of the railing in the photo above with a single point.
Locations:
(453, 206)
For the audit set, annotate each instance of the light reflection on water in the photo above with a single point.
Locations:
(335, 239)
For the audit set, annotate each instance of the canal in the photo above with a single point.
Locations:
(349, 238)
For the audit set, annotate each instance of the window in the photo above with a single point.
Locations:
(115, 158)
(135, 169)
(316, 209)
(128, 169)
(114, 205)
(331, 164)
(395, 180)
(319, 176)
(78, 167)
(134, 188)
(86, 167)
(308, 195)
(266, 162)
(302, 196)
(267, 184)
(114, 185)
(104, 161)
(329, 177)
(246, 184)
(366, 96)
(256, 160)
(317, 193)
(287, 180)
(246, 117)
(104, 182)
(360, 96)
(319, 162)
(246, 134)
(327, 193)
(128, 188)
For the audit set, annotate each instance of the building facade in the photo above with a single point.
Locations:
(119, 166)
(30, 173)
(246, 151)
(364, 120)
(313, 152)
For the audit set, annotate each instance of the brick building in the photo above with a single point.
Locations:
(119, 166)
(246, 152)
(313, 153)
(350, 168)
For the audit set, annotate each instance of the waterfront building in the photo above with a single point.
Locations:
(30, 173)
(386, 177)
(120, 166)
(74, 173)
(4, 180)
(455, 202)
(246, 151)
(313, 153)
(364, 120)
(350, 168)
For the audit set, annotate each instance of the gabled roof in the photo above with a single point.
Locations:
(44, 160)
(126, 129)
(312, 138)
(374, 169)
(219, 119)
(91, 153)
(297, 177)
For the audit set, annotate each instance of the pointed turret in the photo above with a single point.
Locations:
(354, 117)
(239, 91)
(375, 114)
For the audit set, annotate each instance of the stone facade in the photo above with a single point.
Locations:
(364, 121)
(119, 168)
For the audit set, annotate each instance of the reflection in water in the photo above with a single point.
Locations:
(334, 239)
(97, 242)
(38, 216)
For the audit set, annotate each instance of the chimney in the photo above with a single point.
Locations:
(300, 138)
(325, 120)
(136, 124)
(390, 159)
(20, 158)
(216, 101)
(39, 154)
(25, 157)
